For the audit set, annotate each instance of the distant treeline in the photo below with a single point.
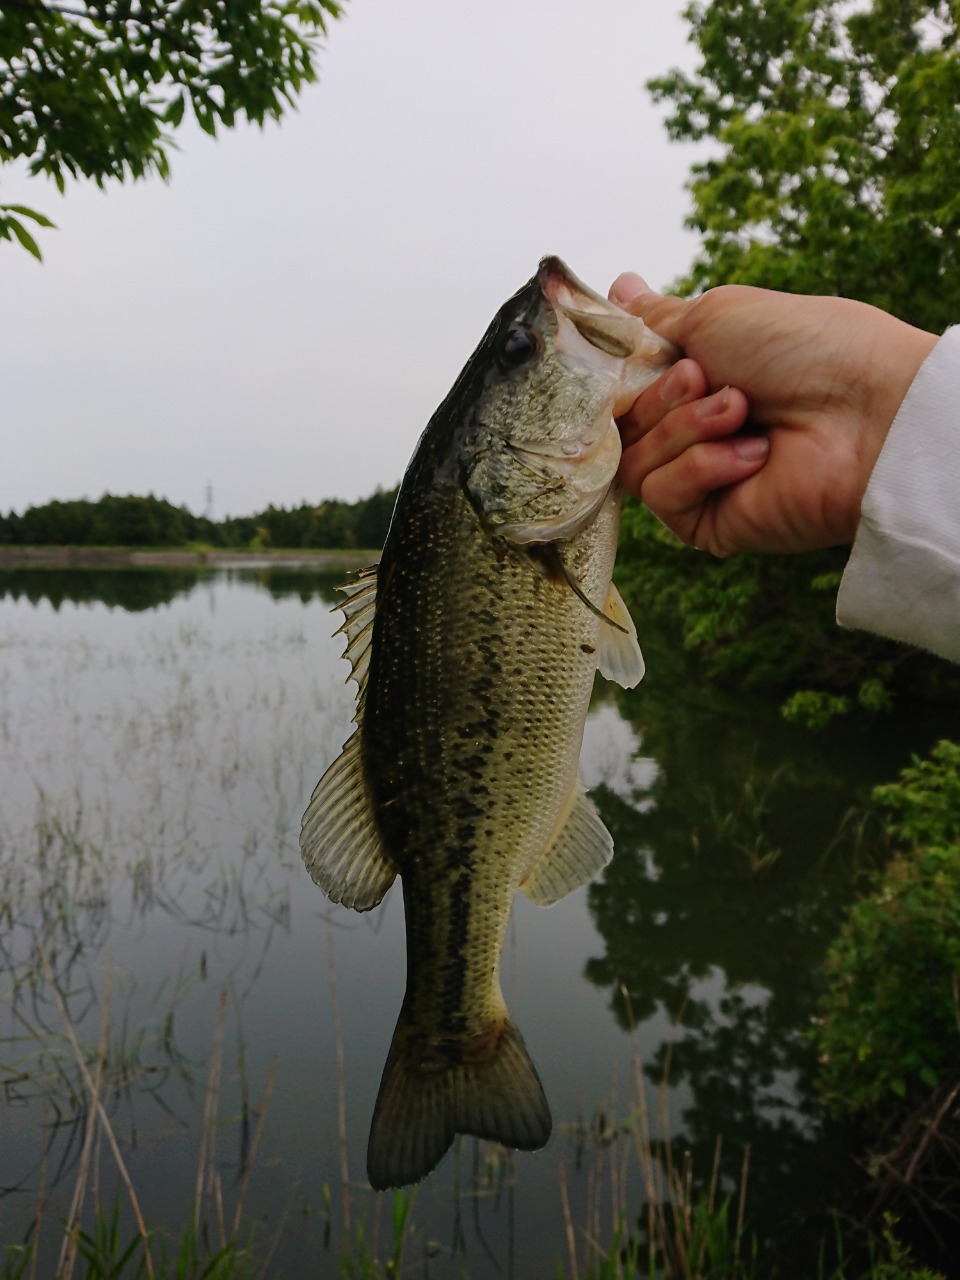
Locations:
(153, 522)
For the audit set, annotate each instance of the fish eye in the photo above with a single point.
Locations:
(519, 347)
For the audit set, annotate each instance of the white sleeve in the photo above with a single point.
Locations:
(903, 576)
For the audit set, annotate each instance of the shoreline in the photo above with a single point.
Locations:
(132, 558)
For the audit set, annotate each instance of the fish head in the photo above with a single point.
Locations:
(541, 448)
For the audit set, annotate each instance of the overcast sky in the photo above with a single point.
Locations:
(282, 317)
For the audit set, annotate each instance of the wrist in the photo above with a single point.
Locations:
(895, 363)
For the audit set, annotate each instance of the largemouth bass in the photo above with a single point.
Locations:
(474, 645)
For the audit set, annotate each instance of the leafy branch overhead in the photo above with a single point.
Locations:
(839, 145)
(11, 226)
(93, 90)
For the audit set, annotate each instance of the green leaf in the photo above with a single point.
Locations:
(24, 212)
(23, 235)
(814, 709)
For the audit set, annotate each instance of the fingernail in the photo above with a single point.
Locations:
(751, 448)
(628, 286)
(676, 386)
(713, 405)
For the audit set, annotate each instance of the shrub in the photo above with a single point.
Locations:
(768, 622)
(889, 1024)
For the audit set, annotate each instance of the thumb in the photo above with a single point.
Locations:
(666, 316)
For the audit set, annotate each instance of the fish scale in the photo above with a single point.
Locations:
(474, 644)
(431, 730)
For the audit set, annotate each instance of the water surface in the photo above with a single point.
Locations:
(160, 733)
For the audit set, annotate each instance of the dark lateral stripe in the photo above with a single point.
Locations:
(452, 1018)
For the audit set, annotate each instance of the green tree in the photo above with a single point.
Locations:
(835, 145)
(93, 88)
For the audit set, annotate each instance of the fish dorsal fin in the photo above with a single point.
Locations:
(339, 841)
(359, 611)
(579, 848)
(618, 656)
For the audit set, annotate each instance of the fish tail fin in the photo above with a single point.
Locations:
(419, 1112)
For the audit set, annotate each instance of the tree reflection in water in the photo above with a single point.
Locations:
(727, 886)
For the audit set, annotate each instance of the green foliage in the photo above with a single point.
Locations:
(113, 521)
(814, 709)
(94, 88)
(358, 1263)
(11, 227)
(835, 143)
(926, 800)
(132, 521)
(768, 622)
(889, 1025)
(836, 147)
(891, 1261)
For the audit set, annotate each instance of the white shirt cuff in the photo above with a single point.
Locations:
(903, 576)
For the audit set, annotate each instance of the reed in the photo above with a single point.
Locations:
(341, 1078)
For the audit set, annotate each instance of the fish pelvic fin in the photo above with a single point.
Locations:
(578, 849)
(420, 1111)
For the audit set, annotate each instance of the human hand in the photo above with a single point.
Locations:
(821, 377)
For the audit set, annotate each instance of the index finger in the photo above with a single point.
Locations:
(666, 316)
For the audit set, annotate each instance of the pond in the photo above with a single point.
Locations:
(160, 734)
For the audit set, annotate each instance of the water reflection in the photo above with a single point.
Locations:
(137, 590)
(727, 886)
(159, 735)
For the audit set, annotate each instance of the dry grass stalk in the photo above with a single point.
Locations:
(571, 1237)
(341, 1078)
(741, 1208)
(931, 1129)
(218, 1198)
(614, 1171)
(253, 1146)
(210, 1108)
(68, 1249)
(377, 1206)
(104, 1118)
(41, 1190)
(273, 1247)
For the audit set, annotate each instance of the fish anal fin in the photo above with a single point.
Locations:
(419, 1112)
(579, 848)
(339, 840)
(618, 656)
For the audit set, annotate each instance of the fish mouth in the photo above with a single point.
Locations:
(593, 330)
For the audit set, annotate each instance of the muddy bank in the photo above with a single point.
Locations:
(131, 558)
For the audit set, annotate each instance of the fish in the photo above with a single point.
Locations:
(474, 643)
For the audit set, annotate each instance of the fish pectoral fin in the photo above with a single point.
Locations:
(579, 848)
(339, 840)
(618, 656)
